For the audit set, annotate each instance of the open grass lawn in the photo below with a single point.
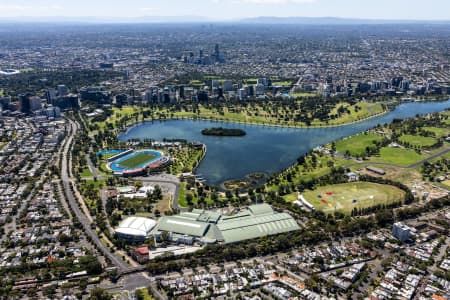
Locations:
(439, 131)
(357, 144)
(137, 160)
(260, 116)
(108, 155)
(366, 110)
(417, 140)
(144, 294)
(282, 83)
(343, 195)
(182, 195)
(321, 169)
(96, 183)
(117, 114)
(398, 156)
(251, 114)
(303, 95)
(86, 172)
(446, 182)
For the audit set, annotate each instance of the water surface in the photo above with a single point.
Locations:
(264, 149)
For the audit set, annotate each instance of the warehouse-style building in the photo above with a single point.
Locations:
(206, 227)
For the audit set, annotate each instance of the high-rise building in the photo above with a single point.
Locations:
(259, 90)
(242, 93)
(51, 96)
(215, 83)
(262, 81)
(404, 85)
(217, 51)
(181, 92)
(24, 103)
(35, 103)
(4, 102)
(53, 112)
(227, 85)
(62, 90)
(400, 231)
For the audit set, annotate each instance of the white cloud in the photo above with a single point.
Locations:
(266, 1)
(277, 1)
(13, 8)
(8, 9)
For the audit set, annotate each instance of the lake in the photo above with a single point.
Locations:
(265, 148)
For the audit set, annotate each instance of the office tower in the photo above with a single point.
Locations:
(62, 90)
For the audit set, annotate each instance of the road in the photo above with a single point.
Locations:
(91, 166)
(67, 185)
(128, 282)
(411, 166)
(165, 179)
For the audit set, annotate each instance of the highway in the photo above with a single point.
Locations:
(67, 184)
(132, 277)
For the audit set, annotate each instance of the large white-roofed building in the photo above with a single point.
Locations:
(135, 229)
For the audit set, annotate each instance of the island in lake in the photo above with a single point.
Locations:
(219, 131)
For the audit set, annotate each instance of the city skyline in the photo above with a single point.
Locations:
(229, 10)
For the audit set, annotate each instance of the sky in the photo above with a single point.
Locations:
(232, 9)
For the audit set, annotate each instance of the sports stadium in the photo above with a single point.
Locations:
(135, 229)
(135, 162)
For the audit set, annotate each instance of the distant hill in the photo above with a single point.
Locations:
(330, 21)
(100, 20)
(202, 19)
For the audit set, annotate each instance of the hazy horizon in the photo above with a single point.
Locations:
(229, 10)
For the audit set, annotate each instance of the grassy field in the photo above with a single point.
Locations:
(343, 195)
(108, 155)
(144, 294)
(438, 131)
(282, 83)
(302, 173)
(303, 95)
(137, 160)
(86, 172)
(398, 156)
(446, 182)
(357, 144)
(254, 113)
(417, 140)
(260, 116)
(182, 195)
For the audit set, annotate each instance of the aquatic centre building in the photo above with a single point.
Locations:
(206, 227)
